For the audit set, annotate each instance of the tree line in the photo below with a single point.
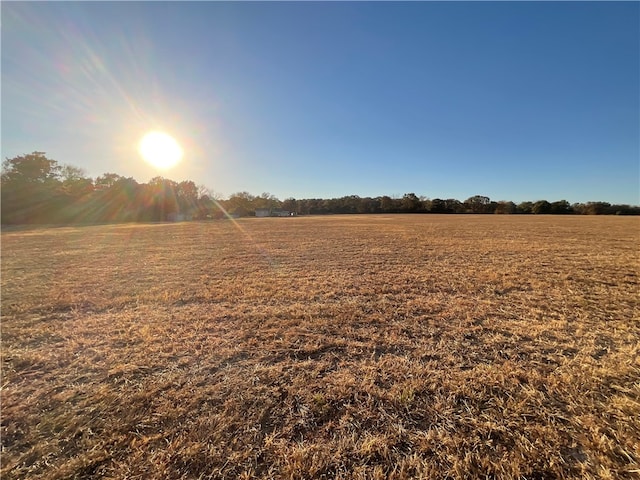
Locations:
(36, 189)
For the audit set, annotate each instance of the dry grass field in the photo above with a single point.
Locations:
(353, 347)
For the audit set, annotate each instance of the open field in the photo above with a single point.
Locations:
(323, 347)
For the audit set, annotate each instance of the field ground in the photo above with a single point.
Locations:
(323, 347)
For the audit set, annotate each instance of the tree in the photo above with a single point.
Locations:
(387, 204)
(29, 185)
(73, 195)
(350, 204)
(119, 199)
(478, 204)
(370, 205)
(505, 207)
(561, 207)
(207, 208)
(411, 203)
(34, 168)
(106, 181)
(290, 204)
(240, 203)
(186, 194)
(266, 200)
(624, 209)
(525, 207)
(597, 208)
(36, 189)
(454, 206)
(541, 207)
(160, 196)
(208, 205)
(74, 181)
(438, 206)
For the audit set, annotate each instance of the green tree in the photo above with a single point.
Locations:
(240, 203)
(290, 204)
(106, 181)
(411, 203)
(504, 207)
(561, 207)
(387, 204)
(34, 168)
(597, 208)
(74, 182)
(454, 206)
(438, 206)
(29, 189)
(119, 199)
(478, 204)
(74, 196)
(525, 207)
(161, 198)
(186, 193)
(541, 207)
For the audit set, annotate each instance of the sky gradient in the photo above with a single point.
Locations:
(514, 101)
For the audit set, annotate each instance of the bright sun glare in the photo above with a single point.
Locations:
(160, 150)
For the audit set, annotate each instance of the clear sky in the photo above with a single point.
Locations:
(515, 101)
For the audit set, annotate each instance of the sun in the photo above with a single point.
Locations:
(160, 150)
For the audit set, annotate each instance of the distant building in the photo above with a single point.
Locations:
(273, 212)
(276, 212)
(179, 217)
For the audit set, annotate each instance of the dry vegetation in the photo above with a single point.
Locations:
(330, 347)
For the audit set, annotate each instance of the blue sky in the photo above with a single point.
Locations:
(512, 100)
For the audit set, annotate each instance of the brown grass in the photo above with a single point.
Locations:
(365, 347)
